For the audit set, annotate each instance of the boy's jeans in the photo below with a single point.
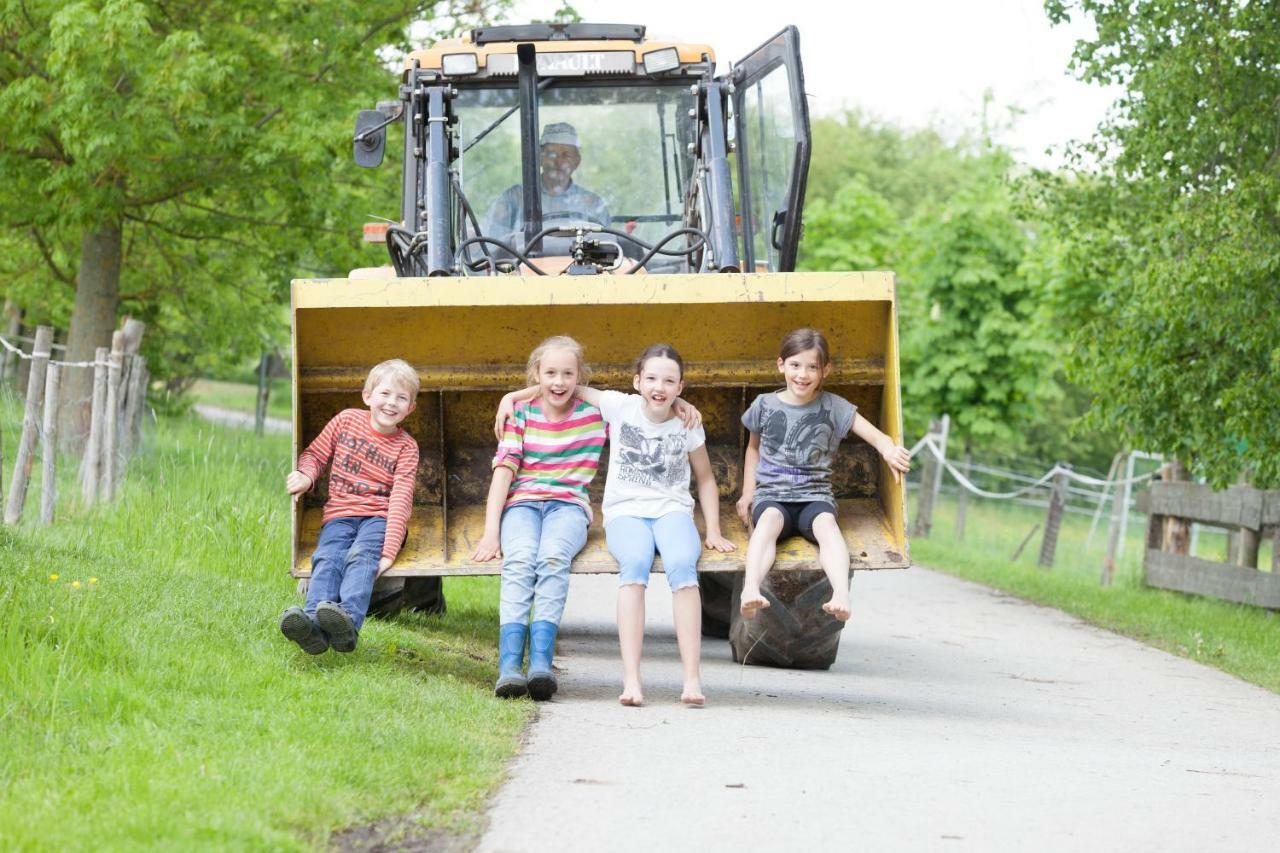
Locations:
(539, 541)
(345, 565)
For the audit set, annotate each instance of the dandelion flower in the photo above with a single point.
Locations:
(93, 580)
(75, 584)
(53, 577)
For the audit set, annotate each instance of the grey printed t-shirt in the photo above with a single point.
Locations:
(797, 444)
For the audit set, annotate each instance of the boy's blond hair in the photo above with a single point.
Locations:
(557, 342)
(398, 371)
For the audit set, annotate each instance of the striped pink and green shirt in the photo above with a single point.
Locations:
(552, 461)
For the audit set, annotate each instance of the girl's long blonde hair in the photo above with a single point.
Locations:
(557, 342)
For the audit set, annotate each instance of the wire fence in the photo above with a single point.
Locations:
(93, 410)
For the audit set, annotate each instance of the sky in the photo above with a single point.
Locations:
(914, 63)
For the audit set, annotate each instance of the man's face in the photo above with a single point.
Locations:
(557, 164)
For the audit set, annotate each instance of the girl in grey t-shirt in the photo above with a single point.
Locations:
(786, 482)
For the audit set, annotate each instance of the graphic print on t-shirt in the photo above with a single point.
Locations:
(804, 440)
(650, 460)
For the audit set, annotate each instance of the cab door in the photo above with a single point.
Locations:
(771, 132)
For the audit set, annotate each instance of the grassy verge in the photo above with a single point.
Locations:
(1238, 639)
(244, 398)
(148, 700)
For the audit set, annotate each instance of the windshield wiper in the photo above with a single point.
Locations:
(544, 83)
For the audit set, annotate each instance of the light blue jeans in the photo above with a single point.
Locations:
(539, 541)
(345, 565)
(633, 542)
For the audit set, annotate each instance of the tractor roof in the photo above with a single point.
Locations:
(602, 48)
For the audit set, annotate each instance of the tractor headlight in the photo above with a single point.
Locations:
(658, 61)
(459, 64)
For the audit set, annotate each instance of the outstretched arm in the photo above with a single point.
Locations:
(709, 499)
(749, 479)
(490, 545)
(897, 457)
(507, 407)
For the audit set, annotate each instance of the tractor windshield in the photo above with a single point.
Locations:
(616, 155)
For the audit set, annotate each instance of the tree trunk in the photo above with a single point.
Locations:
(92, 320)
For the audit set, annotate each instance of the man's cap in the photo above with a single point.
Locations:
(559, 133)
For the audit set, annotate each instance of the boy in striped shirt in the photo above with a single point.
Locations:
(370, 497)
(537, 513)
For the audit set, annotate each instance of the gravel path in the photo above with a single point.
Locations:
(236, 418)
(956, 718)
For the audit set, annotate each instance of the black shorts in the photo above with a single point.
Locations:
(797, 517)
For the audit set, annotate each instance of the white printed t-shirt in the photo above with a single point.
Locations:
(648, 463)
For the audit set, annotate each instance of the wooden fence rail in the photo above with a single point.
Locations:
(1242, 508)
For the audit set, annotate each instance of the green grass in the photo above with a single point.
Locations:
(147, 699)
(1235, 638)
(243, 398)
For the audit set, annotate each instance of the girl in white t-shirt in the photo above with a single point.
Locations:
(648, 509)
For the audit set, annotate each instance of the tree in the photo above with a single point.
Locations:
(856, 230)
(975, 348)
(1181, 340)
(188, 158)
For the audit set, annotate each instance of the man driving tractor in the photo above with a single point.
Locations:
(559, 156)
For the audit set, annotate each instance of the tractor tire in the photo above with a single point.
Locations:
(793, 631)
(717, 603)
(421, 595)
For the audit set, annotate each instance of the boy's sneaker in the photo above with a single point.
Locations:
(335, 622)
(297, 626)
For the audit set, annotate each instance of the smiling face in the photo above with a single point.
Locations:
(557, 162)
(558, 372)
(804, 372)
(659, 383)
(389, 403)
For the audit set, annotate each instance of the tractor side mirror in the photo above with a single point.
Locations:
(370, 141)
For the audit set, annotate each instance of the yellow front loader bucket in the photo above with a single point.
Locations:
(469, 339)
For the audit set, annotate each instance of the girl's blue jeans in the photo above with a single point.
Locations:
(539, 541)
(634, 541)
(345, 565)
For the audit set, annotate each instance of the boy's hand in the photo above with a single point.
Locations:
(744, 509)
(297, 482)
(716, 542)
(897, 457)
(506, 412)
(488, 549)
(383, 565)
(687, 413)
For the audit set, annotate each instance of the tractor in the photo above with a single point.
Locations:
(689, 190)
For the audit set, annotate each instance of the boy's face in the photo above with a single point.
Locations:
(389, 403)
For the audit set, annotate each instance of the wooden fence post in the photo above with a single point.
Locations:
(1053, 523)
(135, 396)
(30, 425)
(90, 465)
(111, 420)
(1176, 537)
(12, 327)
(962, 499)
(49, 446)
(1114, 531)
(931, 478)
(264, 393)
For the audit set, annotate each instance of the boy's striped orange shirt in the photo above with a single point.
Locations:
(372, 473)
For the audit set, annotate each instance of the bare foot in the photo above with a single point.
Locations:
(692, 694)
(631, 696)
(838, 609)
(751, 602)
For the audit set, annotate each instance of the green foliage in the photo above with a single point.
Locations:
(149, 701)
(216, 134)
(1177, 243)
(855, 230)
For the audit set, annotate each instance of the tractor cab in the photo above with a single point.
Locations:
(591, 149)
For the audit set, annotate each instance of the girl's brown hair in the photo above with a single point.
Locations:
(660, 351)
(556, 342)
(805, 339)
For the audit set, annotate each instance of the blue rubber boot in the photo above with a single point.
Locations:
(542, 645)
(511, 681)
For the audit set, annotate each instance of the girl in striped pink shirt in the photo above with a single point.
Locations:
(537, 512)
